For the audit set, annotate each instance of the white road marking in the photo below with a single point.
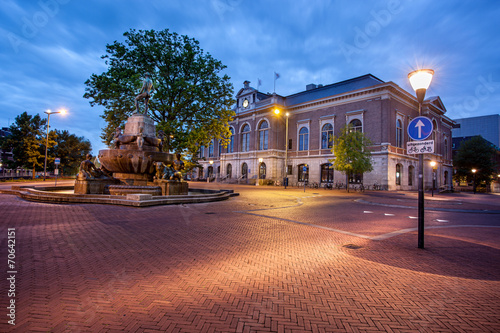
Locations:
(442, 221)
(413, 217)
(387, 214)
(367, 212)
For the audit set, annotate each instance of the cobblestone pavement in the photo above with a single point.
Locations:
(270, 260)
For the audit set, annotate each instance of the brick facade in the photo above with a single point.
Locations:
(383, 109)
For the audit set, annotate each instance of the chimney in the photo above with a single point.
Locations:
(311, 86)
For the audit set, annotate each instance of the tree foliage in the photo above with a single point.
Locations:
(351, 153)
(191, 101)
(475, 153)
(27, 142)
(71, 149)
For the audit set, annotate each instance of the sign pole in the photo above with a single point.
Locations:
(420, 193)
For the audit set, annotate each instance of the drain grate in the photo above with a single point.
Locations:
(352, 246)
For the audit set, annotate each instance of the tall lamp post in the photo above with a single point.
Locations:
(474, 181)
(420, 81)
(433, 165)
(285, 178)
(49, 112)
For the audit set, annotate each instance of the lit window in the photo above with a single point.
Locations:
(327, 136)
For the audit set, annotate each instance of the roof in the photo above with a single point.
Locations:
(356, 83)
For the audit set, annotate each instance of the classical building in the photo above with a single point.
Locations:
(261, 148)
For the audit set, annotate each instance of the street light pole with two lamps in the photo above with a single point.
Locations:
(420, 81)
(49, 112)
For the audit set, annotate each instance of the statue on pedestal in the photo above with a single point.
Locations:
(145, 93)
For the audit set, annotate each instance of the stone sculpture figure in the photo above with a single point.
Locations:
(88, 169)
(178, 166)
(145, 93)
(140, 138)
(116, 138)
(160, 170)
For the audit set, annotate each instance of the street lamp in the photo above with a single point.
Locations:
(474, 181)
(49, 112)
(433, 165)
(285, 178)
(420, 81)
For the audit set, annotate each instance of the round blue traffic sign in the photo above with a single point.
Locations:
(420, 128)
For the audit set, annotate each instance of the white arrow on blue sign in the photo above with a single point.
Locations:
(420, 128)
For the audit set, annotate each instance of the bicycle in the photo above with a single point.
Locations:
(328, 186)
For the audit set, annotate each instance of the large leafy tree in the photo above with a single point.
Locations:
(192, 99)
(71, 150)
(27, 142)
(351, 153)
(475, 153)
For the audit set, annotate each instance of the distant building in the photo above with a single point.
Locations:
(381, 110)
(486, 126)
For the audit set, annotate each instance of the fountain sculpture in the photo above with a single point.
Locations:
(130, 166)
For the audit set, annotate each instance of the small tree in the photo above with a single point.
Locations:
(351, 155)
(27, 142)
(475, 153)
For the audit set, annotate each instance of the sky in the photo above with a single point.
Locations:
(49, 48)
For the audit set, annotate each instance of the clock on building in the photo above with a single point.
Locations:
(245, 103)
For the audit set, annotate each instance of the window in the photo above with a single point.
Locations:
(219, 145)
(327, 173)
(399, 133)
(303, 139)
(263, 135)
(229, 171)
(245, 138)
(410, 175)
(210, 172)
(356, 125)
(211, 149)
(202, 151)
(355, 178)
(327, 136)
(303, 175)
(262, 170)
(244, 170)
(445, 178)
(230, 147)
(200, 172)
(398, 174)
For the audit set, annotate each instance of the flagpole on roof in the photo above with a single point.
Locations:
(276, 76)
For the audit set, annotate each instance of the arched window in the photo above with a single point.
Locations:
(244, 170)
(303, 139)
(434, 132)
(356, 125)
(262, 170)
(399, 133)
(445, 178)
(398, 174)
(245, 138)
(211, 149)
(210, 172)
(263, 135)
(202, 151)
(327, 136)
(229, 171)
(327, 173)
(230, 147)
(303, 175)
(411, 170)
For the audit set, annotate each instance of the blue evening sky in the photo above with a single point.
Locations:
(50, 47)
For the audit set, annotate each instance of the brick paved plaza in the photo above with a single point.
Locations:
(269, 260)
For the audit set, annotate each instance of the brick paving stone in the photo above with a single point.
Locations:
(217, 268)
